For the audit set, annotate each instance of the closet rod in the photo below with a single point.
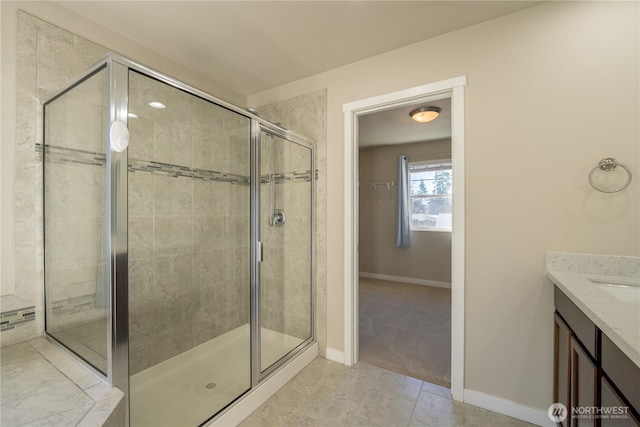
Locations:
(375, 184)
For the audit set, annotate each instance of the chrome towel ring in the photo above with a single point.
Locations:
(608, 165)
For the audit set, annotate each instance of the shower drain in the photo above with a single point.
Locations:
(210, 386)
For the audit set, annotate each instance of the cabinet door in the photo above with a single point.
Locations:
(622, 372)
(561, 358)
(584, 382)
(610, 399)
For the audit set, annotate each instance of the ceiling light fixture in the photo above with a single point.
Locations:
(425, 114)
(156, 104)
(132, 115)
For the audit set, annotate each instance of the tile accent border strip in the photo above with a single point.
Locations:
(281, 178)
(73, 155)
(73, 305)
(14, 318)
(176, 171)
(58, 154)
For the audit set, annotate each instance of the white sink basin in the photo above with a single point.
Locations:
(627, 290)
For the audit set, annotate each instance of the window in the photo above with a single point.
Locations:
(430, 202)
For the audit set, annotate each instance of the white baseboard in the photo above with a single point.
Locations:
(509, 408)
(263, 391)
(410, 280)
(335, 355)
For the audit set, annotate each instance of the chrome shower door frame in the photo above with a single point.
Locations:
(257, 128)
(118, 239)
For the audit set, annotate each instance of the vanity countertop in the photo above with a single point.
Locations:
(618, 318)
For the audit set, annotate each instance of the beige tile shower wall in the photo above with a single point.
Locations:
(47, 59)
(38, 57)
(307, 115)
(297, 260)
(285, 271)
(74, 235)
(189, 237)
(297, 242)
(272, 303)
(74, 196)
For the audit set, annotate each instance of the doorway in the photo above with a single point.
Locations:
(404, 288)
(453, 89)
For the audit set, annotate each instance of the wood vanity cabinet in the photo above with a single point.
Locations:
(584, 382)
(575, 373)
(610, 398)
(561, 358)
(590, 370)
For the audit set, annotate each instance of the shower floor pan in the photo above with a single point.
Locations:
(189, 388)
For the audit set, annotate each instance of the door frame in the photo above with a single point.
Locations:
(451, 88)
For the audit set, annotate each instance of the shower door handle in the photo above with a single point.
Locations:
(260, 253)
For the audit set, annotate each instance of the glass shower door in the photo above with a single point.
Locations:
(285, 232)
(189, 259)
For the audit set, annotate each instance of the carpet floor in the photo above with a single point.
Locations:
(406, 329)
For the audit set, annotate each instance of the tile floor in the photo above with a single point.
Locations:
(40, 386)
(326, 393)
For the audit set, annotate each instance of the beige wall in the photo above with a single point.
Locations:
(429, 257)
(551, 90)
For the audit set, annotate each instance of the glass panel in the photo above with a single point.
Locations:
(431, 189)
(189, 262)
(77, 296)
(285, 227)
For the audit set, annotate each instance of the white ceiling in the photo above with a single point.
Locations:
(395, 126)
(251, 46)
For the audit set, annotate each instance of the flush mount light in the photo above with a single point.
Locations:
(156, 104)
(425, 114)
(132, 115)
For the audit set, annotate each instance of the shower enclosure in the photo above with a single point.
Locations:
(178, 241)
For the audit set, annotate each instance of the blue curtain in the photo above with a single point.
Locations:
(403, 234)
